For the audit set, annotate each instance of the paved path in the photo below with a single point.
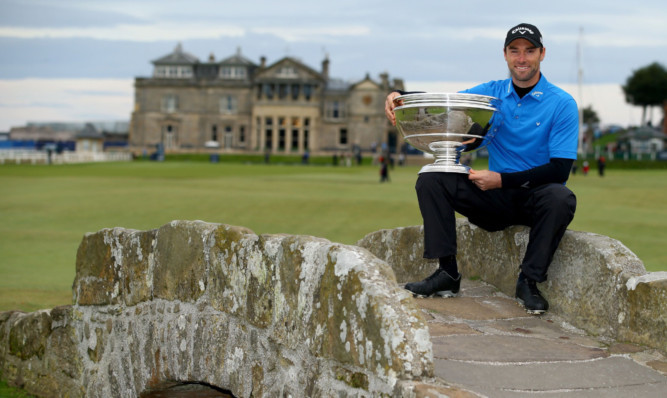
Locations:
(485, 344)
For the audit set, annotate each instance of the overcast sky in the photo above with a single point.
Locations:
(418, 41)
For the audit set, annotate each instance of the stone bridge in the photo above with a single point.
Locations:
(291, 316)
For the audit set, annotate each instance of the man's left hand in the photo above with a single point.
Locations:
(485, 179)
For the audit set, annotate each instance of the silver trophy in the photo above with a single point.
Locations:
(446, 125)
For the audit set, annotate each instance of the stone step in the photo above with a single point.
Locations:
(608, 377)
(486, 344)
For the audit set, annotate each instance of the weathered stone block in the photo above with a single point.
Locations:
(28, 334)
(645, 321)
(594, 282)
(181, 261)
(587, 281)
(137, 283)
(402, 248)
(39, 352)
(96, 279)
(233, 251)
(114, 265)
(308, 290)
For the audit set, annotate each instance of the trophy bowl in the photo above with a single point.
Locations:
(446, 125)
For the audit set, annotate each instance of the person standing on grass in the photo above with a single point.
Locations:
(602, 162)
(530, 159)
(384, 170)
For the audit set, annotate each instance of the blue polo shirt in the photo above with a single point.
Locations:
(544, 124)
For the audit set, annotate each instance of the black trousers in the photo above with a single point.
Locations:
(546, 209)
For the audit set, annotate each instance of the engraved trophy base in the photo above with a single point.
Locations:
(447, 155)
(445, 167)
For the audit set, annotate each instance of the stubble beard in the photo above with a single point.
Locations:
(523, 77)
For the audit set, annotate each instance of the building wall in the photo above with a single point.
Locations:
(197, 115)
(40, 133)
(367, 120)
(267, 110)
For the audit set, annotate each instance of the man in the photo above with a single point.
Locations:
(530, 159)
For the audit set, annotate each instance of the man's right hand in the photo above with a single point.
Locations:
(389, 106)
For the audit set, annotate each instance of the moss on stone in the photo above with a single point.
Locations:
(28, 335)
(352, 379)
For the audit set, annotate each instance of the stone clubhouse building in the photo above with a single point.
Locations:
(235, 105)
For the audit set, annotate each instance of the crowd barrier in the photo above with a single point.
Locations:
(42, 157)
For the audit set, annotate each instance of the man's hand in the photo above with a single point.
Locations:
(389, 106)
(485, 179)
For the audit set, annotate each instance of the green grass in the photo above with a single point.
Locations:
(627, 205)
(10, 392)
(46, 210)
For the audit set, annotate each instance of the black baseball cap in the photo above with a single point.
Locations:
(524, 31)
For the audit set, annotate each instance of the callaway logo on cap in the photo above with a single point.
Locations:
(524, 31)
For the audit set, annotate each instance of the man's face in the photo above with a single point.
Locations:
(523, 60)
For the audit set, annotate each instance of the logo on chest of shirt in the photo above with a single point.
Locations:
(537, 94)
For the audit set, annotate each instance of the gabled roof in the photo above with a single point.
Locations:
(367, 82)
(271, 70)
(89, 131)
(177, 57)
(237, 59)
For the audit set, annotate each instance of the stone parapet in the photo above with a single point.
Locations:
(299, 316)
(192, 302)
(595, 282)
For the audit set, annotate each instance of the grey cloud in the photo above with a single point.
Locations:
(35, 104)
(416, 41)
(402, 52)
(101, 93)
(57, 14)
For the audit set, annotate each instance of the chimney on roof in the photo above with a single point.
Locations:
(325, 67)
(262, 62)
(398, 84)
(384, 77)
(211, 58)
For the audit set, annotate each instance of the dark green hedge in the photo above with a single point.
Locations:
(259, 159)
(626, 164)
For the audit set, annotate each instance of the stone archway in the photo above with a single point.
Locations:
(262, 316)
(185, 390)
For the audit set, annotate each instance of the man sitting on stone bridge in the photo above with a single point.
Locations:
(530, 159)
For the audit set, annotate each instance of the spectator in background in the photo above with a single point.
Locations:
(602, 162)
(384, 170)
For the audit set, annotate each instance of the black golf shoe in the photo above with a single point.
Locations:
(438, 284)
(530, 298)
